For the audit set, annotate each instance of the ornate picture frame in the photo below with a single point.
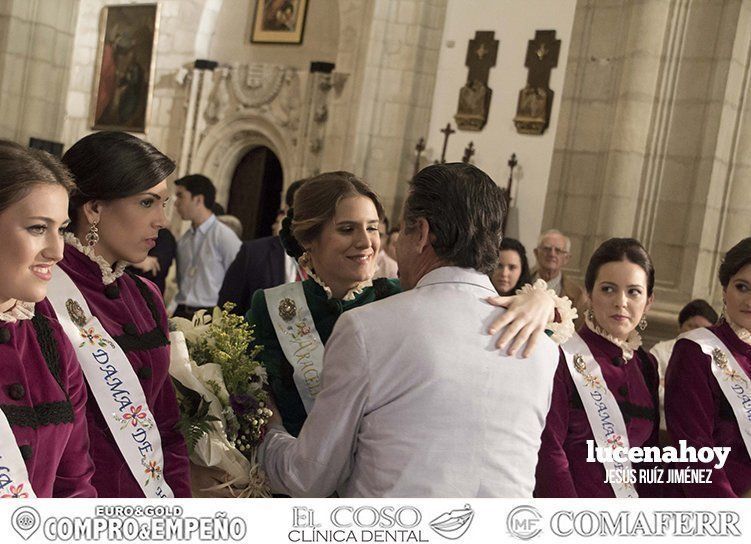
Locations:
(123, 81)
(279, 21)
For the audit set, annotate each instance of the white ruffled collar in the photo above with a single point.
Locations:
(109, 275)
(350, 295)
(21, 310)
(628, 346)
(740, 332)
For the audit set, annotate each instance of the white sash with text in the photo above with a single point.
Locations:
(298, 338)
(731, 378)
(114, 384)
(603, 413)
(14, 480)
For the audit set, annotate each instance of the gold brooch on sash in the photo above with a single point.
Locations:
(721, 360)
(590, 380)
(287, 309)
(579, 363)
(75, 312)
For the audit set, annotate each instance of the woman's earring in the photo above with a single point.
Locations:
(642, 323)
(304, 260)
(723, 312)
(589, 315)
(92, 237)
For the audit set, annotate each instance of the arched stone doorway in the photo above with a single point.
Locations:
(255, 191)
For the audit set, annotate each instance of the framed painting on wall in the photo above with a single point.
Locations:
(124, 74)
(279, 21)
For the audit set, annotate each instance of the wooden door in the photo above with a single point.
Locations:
(255, 193)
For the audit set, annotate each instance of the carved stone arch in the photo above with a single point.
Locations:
(225, 144)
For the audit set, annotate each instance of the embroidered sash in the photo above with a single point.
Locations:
(603, 413)
(114, 384)
(14, 480)
(298, 338)
(732, 379)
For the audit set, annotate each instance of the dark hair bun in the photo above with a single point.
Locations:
(289, 243)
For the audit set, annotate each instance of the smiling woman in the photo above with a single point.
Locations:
(117, 209)
(43, 436)
(334, 235)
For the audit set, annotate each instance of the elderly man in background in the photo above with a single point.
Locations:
(552, 254)
(416, 401)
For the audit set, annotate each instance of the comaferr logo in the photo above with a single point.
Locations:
(453, 524)
(524, 522)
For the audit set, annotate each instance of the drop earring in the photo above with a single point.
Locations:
(92, 237)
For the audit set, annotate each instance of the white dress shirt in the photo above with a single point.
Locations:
(417, 402)
(203, 256)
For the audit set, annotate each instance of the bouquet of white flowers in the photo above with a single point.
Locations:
(223, 402)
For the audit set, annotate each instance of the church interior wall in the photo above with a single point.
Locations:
(231, 39)
(36, 40)
(514, 23)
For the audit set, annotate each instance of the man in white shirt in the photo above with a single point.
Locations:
(205, 251)
(416, 400)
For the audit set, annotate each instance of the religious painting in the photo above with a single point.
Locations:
(125, 67)
(279, 21)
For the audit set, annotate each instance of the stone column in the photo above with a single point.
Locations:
(384, 107)
(653, 93)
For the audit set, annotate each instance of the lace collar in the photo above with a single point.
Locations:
(20, 311)
(740, 332)
(350, 295)
(109, 275)
(628, 346)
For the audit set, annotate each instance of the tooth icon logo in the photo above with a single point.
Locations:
(453, 524)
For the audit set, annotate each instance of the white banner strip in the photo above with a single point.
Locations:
(284, 521)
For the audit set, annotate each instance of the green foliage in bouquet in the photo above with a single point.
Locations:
(195, 420)
(225, 341)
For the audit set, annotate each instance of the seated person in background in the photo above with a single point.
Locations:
(695, 314)
(261, 264)
(386, 266)
(552, 254)
(512, 271)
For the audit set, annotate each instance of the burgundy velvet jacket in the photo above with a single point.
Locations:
(43, 396)
(562, 467)
(697, 411)
(132, 311)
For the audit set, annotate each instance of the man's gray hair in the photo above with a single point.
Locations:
(567, 240)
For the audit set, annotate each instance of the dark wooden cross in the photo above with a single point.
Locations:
(475, 95)
(512, 162)
(542, 57)
(468, 152)
(481, 56)
(419, 148)
(448, 131)
(536, 99)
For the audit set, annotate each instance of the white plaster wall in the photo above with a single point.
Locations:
(36, 43)
(231, 39)
(514, 23)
